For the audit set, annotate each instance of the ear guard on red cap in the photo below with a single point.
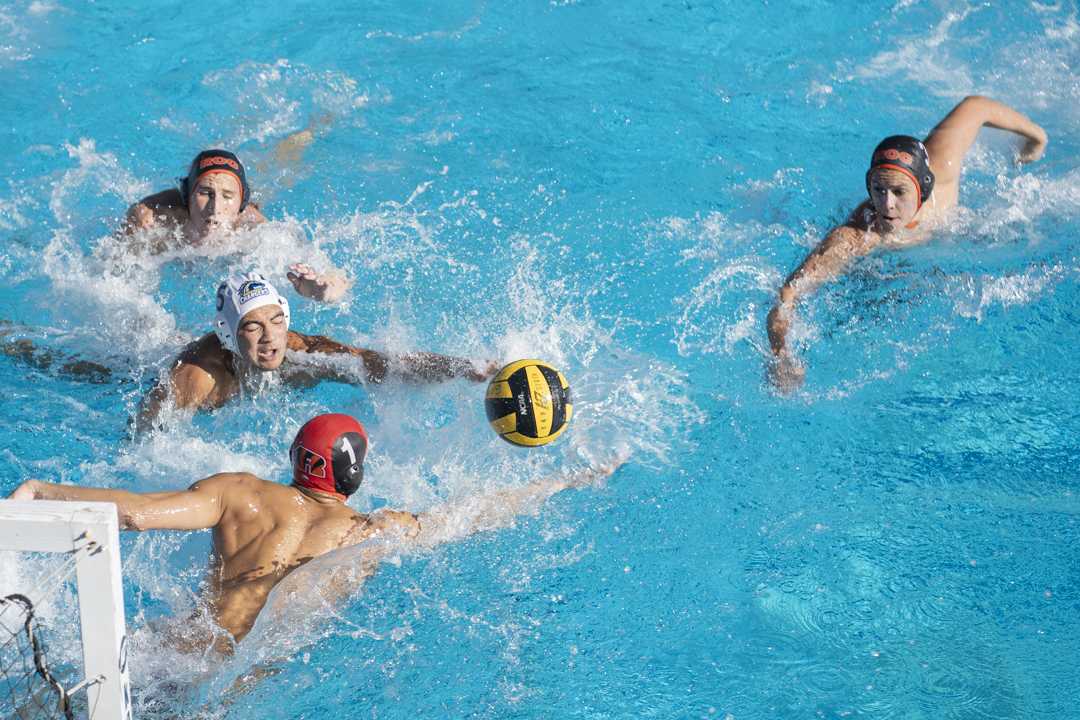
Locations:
(328, 455)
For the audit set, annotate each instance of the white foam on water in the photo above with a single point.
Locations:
(97, 173)
(974, 293)
(700, 330)
(112, 303)
(14, 38)
(455, 34)
(113, 311)
(707, 324)
(925, 59)
(819, 93)
(275, 99)
(1043, 70)
(1035, 73)
(40, 8)
(11, 215)
(401, 233)
(1020, 204)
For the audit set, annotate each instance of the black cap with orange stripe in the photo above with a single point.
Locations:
(907, 155)
(215, 161)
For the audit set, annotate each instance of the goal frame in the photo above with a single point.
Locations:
(90, 531)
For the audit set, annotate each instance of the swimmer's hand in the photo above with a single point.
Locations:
(1034, 147)
(487, 373)
(598, 473)
(328, 287)
(27, 491)
(786, 373)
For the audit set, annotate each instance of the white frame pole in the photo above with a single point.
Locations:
(91, 529)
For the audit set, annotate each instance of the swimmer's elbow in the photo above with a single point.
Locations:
(976, 109)
(128, 520)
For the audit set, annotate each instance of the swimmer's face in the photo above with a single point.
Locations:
(895, 197)
(214, 203)
(262, 336)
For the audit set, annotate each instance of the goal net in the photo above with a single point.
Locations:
(70, 554)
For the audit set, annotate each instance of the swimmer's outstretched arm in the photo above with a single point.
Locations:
(951, 138)
(825, 262)
(498, 509)
(416, 367)
(197, 508)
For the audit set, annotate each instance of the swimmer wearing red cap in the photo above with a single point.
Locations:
(214, 197)
(911, 185)
(251, 338)
(264, 530)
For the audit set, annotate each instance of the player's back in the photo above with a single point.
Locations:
(266, 530)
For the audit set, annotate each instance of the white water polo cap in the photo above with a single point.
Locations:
(236, 297)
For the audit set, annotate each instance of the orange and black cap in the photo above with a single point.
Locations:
(905, 154)
(212, 161)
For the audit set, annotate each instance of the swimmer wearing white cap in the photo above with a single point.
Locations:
(251, 336)
(215, 197)
(911, 185)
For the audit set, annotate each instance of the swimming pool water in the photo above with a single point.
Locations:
(618, 188)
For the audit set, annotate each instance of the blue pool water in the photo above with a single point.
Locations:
(618, 188)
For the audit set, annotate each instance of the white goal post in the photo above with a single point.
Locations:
(89, 532)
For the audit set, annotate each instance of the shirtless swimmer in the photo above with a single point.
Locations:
(912, 185)
(264, 530)
(251, 337)
(215, 197)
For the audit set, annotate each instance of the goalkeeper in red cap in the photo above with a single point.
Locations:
(264, 530)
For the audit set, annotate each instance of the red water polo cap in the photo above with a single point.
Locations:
(328, 455)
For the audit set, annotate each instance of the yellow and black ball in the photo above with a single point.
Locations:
(529, 403)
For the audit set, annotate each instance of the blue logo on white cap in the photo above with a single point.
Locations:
(251, 290)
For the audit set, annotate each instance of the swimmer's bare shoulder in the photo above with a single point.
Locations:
(162, 209)
(200, 378)
(203, 376)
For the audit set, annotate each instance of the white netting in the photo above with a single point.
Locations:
(28, 688)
